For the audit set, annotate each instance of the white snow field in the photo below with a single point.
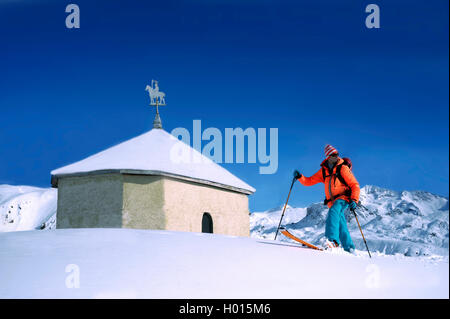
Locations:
(125, 263)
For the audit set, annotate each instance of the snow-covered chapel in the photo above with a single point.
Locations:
(152, 181)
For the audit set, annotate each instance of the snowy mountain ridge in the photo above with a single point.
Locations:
(27, 208)
(413, 223)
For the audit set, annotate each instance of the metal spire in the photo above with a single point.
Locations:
(157, 121)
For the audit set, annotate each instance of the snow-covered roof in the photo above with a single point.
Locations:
(155, 153)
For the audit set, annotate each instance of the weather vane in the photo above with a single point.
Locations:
(157, 98)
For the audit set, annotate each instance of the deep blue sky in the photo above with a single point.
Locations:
(310, 68)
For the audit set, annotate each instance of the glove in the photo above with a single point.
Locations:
(297, 174)
(352, 205)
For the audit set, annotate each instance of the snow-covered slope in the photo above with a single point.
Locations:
(26, 207)
(125, 263)
(410, 223)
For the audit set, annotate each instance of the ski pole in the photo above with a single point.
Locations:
(293, 180)
(361, 231)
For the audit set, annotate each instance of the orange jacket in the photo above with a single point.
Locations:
(334, 189)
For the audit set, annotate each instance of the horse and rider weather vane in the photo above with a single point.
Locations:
(157, 98)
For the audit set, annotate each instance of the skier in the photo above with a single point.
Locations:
(341, 191)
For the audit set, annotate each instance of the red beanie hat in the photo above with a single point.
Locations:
(329, 150)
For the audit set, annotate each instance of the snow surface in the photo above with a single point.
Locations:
(125, 263)
(27, 208)
(156, 151)
(411, 223)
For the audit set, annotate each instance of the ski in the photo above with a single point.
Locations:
(289, 235)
